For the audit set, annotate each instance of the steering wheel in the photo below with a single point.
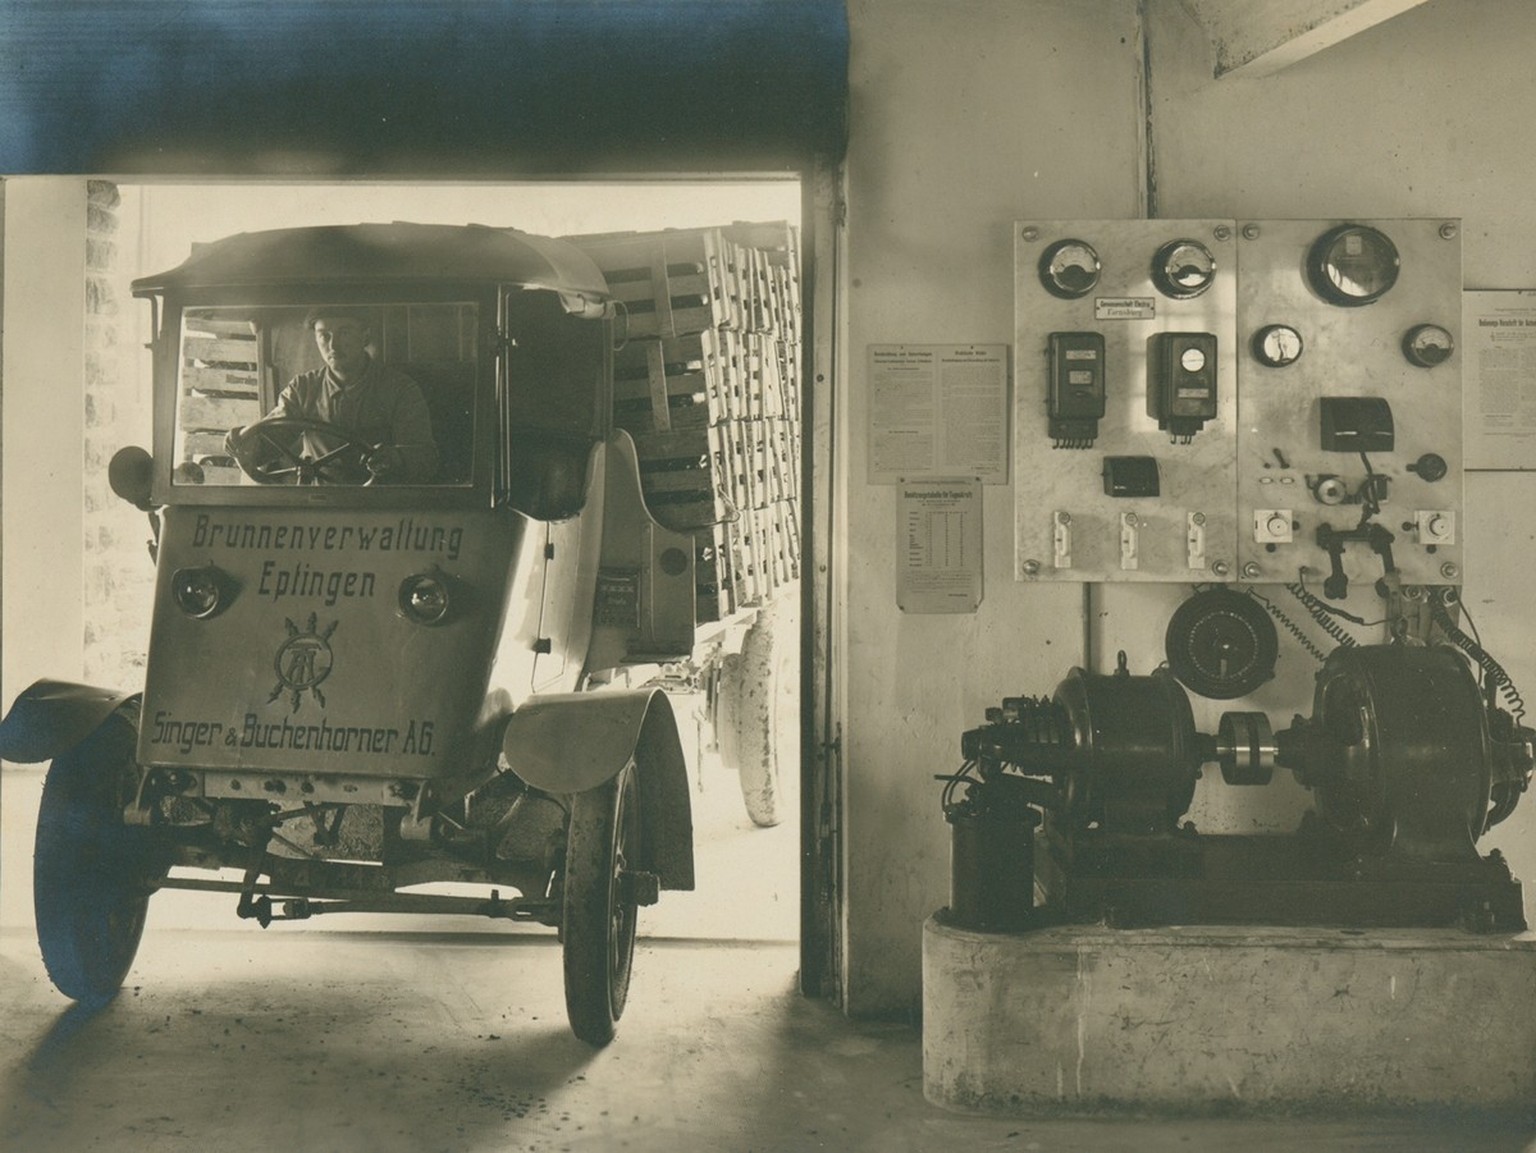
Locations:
(268, 452)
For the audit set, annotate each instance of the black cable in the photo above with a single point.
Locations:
(1291, 626)
(1320, 613)
(1492, 672)
(1311, 599)
(953, 781)
(1505, 797)
(1370, 506)
(1471, 624)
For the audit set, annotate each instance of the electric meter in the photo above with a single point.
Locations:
(1277, 345)
(1352, 265)
(1427, 345)
(1069, 269)
(1181, 382)
(1183, 269)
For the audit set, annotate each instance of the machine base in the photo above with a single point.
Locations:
(1211, 1018)
(1140, 882)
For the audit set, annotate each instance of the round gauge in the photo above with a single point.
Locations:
(1183, 269)
(1192, 360)
(1069, 269)
(1427, 345)
(1277, 345)
(1221, 644)
(1352, 265)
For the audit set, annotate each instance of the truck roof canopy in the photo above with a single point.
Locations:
(385, 253)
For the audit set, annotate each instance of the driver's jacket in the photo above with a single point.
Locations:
(380, 407)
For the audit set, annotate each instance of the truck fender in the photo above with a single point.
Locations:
(572, 742)
(50, 717)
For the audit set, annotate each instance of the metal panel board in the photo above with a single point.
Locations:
(1347, 352)
(1066, 527)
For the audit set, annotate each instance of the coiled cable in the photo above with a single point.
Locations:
(1495, 679)
(1290, 626)
(1325, 616)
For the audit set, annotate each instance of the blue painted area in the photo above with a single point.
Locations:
(388, 86)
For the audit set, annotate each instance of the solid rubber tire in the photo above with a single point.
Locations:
(92, 874)
(598, 920)
(756, 687)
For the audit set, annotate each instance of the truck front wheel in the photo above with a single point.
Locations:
(598, 924)
(92, 874)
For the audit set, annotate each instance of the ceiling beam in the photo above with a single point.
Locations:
(1259, 37)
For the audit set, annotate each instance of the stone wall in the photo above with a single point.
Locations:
(119, 577)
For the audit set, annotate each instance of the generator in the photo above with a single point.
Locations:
(1069, 808)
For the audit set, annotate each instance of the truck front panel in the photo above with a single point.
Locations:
(336, 641)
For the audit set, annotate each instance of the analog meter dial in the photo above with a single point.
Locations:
(1427, 345)
(1277, 345)
(1352, 265)
(1069, 269)
(1221, 644)
(1183, 269)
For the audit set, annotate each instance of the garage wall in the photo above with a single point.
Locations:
(44, 360)
(966, 116)
(959, 126)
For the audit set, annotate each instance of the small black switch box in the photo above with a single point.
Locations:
(1130, 476)
(1356, 424)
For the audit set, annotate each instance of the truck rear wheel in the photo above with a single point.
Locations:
(755, 714)
(92, 874)
(598, 924)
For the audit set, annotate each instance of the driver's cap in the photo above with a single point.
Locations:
(367, 317)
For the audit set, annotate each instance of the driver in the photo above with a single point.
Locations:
(362, 397)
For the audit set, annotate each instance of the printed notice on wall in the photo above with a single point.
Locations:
(938, 546)
(1499, 378)
(938, 410)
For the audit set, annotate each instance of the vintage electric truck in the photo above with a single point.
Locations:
(356, 688)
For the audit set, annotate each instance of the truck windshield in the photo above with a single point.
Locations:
(329, 393)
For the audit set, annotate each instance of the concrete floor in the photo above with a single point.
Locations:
(298, 1040)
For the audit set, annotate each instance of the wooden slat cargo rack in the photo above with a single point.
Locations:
(707, 382)
(220, 374)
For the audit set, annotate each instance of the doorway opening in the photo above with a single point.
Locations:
(747, 862)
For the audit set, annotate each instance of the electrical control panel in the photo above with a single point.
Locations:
(1204, 401)
(1349, 453)
(1126, 372)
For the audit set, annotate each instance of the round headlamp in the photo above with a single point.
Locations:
(199, 592)
(424, 598)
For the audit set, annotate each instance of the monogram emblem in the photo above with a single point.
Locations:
(303, 661)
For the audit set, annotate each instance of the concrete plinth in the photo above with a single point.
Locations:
(1201, 1018)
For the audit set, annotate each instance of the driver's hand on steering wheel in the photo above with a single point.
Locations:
(384, 461)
